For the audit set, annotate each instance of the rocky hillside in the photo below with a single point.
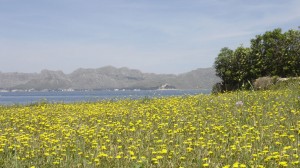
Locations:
(107, 78)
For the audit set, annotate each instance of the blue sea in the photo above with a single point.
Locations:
(11, 98)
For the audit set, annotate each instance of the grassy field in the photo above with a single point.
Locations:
(238, 129)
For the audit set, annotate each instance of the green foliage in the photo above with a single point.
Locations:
(232, 67)
(223, 65)
(276, 53)
(271, 54)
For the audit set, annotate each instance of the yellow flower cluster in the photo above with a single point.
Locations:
(188, 131)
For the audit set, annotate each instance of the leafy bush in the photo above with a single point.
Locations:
(272, 54)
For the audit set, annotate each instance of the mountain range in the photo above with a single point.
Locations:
(107, 78)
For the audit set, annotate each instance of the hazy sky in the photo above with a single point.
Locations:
(160, 36)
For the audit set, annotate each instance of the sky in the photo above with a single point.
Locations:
(156, 36)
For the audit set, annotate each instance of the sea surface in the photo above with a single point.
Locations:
(11, 98)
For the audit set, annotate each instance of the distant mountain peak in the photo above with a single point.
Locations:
(107, 77)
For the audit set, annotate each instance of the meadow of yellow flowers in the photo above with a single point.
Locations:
(238, 129)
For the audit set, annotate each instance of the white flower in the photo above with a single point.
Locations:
(239, 103)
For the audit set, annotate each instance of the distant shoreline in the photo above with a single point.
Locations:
(93, 90)
(11, 98)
